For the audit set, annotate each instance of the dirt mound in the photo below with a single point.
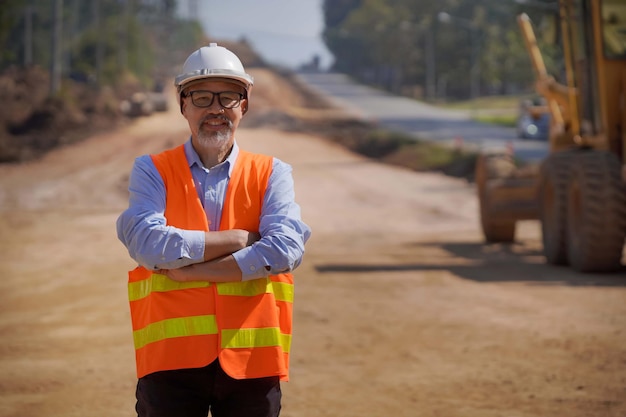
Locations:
(36, 123)
(33, 122)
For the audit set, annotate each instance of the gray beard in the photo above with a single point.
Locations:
(214, 139)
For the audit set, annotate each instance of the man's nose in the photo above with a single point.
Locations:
(216, 107)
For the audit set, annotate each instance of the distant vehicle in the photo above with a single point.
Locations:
(144, 104)
(137, 105)
(534, 120)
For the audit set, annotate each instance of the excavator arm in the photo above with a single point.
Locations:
(557, 95)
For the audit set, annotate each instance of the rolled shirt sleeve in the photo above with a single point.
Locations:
(283, 233)
(143, 229)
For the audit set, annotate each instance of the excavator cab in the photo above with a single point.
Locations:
(597, 33)
(579, 192)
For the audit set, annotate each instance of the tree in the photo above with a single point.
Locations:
(100, 40)
(397, 44)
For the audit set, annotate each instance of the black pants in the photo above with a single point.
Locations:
(193, 392)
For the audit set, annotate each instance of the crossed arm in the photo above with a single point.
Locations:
(219, 265)
(216, 256)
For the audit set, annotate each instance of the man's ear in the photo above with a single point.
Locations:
(183, 106)
(180, 103)
(246, 101)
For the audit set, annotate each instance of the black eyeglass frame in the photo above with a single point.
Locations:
(219, 98)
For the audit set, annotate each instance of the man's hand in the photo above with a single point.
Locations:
(252, 237)
(181, 274)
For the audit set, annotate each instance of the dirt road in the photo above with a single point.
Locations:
(400, 310)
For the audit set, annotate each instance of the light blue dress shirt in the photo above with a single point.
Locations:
(143, 229)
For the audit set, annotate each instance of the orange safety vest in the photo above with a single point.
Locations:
(247, 325)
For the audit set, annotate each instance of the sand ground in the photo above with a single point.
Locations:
(401, 310)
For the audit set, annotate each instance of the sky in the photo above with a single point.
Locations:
(283, 32)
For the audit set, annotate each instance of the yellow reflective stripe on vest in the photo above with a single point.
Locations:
(178, 327)
(251, 338)
(159, 283)
(281, 290)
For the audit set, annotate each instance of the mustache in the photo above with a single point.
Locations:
(217, 117)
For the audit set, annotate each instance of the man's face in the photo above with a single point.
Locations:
(213, 126)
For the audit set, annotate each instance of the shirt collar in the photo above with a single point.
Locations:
(194, 158)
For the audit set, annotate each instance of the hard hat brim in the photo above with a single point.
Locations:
(246, 79)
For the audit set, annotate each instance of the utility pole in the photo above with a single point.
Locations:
(28, 35)
(475, 55)
(71, 31)
(57, 33)
(99, 44)
(429, 48)
(122, 51)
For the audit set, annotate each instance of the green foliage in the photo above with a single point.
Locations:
(507, 120)
(379, 143)
(400, 149)
(103, 41)
(336, 11)
(8, 19)
(384, 43)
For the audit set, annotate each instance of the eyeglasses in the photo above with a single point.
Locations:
(227, 99)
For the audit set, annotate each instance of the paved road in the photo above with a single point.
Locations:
(420, 119)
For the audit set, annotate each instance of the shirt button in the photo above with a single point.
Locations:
(252, 268)
(192, 254)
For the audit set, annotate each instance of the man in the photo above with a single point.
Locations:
(216, 232)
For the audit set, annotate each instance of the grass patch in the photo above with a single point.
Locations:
(426, 156)
(379, 143)
(494, 110)
(487, 103)
(507, 120)
(403, 150)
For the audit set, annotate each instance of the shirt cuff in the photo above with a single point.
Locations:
(194, 245)
(189, 250)
(252, 267)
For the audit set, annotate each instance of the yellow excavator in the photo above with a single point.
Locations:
(578, 192)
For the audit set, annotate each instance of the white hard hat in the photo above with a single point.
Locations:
(213, 61)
